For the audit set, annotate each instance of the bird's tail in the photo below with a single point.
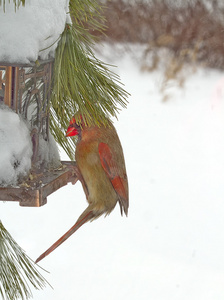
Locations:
(86, 216)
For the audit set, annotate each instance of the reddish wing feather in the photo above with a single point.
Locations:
(112, 170)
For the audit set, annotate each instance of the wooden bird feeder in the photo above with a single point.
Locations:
(23, 87)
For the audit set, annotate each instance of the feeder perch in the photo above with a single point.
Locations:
(23, 88)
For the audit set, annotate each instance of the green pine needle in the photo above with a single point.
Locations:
(16, 270)
(81, 83)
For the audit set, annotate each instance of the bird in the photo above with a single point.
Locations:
(100, 167)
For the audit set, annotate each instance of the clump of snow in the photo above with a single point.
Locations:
(15, 147)
(37, 26)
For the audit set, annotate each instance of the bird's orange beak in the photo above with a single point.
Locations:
(71, 131)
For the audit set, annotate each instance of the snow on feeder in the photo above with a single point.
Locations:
(30, 164)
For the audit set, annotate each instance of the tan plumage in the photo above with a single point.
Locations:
(101, 170)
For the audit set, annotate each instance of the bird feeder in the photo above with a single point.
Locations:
(24, 87)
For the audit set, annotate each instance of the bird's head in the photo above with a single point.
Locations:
(78, 124)
(72, 128)
(75, 125)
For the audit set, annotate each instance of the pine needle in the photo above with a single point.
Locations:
(81, 82)
(16, 270)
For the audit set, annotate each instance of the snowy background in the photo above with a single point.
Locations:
(171, 245)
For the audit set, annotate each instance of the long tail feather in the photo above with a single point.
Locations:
(85, 217)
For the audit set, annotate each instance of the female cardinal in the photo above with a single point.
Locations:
(101, 170)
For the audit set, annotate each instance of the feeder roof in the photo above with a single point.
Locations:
(31, 32)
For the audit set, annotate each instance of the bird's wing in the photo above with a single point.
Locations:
(115, 173)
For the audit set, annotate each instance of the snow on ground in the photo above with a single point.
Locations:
(171, 245)
(25, 34)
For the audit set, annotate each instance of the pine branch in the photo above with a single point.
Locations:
(16, 270)
(81, 81)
